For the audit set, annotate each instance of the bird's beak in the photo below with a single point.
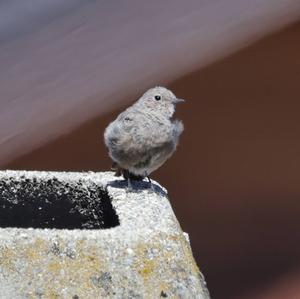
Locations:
(176, 101)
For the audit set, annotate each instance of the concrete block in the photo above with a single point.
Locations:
(82, 235)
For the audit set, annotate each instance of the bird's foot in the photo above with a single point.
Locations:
(129, 186)
(115, 167)
(152, 187)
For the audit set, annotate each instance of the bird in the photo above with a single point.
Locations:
(145, 135)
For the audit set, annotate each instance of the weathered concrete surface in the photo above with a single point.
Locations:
(145, 256)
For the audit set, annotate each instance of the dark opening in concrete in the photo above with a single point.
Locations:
(53, 203)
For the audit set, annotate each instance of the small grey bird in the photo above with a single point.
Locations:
(144, 136)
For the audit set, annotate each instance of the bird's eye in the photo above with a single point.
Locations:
(157, 98)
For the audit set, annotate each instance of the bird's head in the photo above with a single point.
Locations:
(161, 100)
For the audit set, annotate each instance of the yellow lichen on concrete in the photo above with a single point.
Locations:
(150, 256)
(146, 268)
(57, 269)
(188, 254)
(7, 258)
(36, 250)
(143, 264)
(80, 265)
(76, 271)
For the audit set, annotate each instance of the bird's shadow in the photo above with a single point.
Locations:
(137, 186)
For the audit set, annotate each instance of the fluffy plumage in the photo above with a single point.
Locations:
(144, 136)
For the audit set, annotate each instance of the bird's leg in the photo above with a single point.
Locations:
(127, 176)
(150, 182)
(118, 172)
(115, 167)
(129, 184)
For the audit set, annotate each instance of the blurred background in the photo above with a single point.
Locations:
(67, 68)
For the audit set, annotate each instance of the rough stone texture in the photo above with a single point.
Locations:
(144, 253)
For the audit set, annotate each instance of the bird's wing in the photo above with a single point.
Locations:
(177, 126)
(119, 131)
